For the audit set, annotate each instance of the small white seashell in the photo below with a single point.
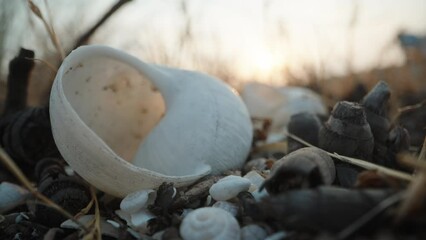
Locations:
(279, 104)
(137, 200)
(107, 228)
(253, 232)
(229, 187)
(209, 224)
(256, 180)
(259, 195)
(11, 195)
(227, 206)
(126, 125)
(139, 220)
(124, 215)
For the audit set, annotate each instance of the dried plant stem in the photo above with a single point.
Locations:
(14, 169)
(49, 65)
(408, 108)
(422, 155)
(359, 162)
(416, 191)
(50, 30)
(364, 219)
(95, 224)
(412, 107)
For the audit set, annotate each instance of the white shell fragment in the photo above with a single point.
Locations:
(209, 224)
(256, 180)
(253, 232)
(11, 195)
(229, 187)
(107, 228)
(138, 200)
(227, 206)
(126, 125)
(138, 220)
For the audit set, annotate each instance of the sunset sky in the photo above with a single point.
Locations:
(258, 38)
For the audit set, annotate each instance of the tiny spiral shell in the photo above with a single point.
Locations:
(209, 223)
(227, 206)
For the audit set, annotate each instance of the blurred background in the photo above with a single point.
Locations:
(328, 45)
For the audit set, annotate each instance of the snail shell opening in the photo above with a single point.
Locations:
(125, 125)
(126, 105)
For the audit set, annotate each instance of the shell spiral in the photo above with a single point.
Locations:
(126, 125)
(210, 223)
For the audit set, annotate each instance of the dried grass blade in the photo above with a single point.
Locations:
(359, 162)
(416, 192)
(14, 169)
(95, 224)
(362, 221)
(49, 65)
(50, 30)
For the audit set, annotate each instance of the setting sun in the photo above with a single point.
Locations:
(265, 63)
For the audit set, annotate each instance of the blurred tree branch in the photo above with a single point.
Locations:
(83, 39)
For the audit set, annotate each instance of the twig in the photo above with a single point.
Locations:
(409, 108)
(364, 219)
(95, 224)
(85, 37)
(14, 169)
(416, 191)
(422, 155)
(412, 107)
(359, 162)
(49, 29)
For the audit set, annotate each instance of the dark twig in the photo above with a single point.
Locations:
(17, 82)
(86, 36)
(362, 221)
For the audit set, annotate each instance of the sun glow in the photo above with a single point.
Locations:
(266, 65)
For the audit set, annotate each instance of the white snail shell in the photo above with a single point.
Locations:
(253, 232)
(229, 187)
(210, 224)
(138, 200)
(122, 135)
(232, 208)
(107, 228)
(279, 104)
